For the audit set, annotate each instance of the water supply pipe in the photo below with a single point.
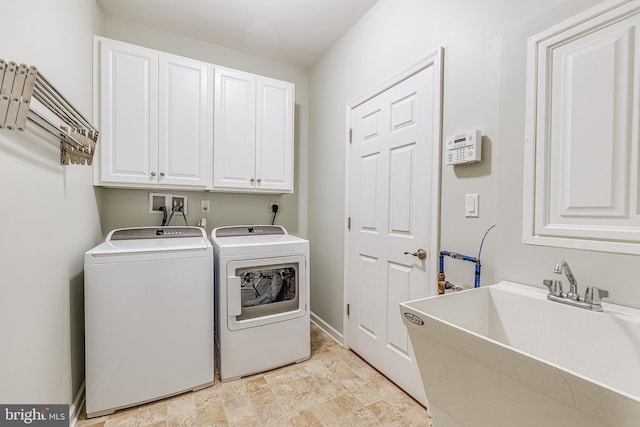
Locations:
(476, 282)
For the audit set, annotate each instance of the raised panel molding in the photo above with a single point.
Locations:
(368, 307)
(369, 190)
(401, 276)
(401, 190)
(581, 148)
(403, 112)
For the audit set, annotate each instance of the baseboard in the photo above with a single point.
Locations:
(327, 329)
(76, 406)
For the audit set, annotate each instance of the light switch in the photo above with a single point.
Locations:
(471, 206)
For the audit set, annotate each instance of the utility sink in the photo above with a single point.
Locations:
(504, 355)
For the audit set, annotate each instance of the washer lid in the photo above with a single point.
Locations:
(152, 239)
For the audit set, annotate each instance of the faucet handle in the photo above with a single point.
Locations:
(555, 287)
(593, 294)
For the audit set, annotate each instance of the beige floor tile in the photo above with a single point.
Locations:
(335, 387)
(269, 414)
(152, 414)
(347, 403)
(238, 408)
(211, 413)
(305, 418)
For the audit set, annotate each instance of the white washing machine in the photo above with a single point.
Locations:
(148, 316)
(262, 299)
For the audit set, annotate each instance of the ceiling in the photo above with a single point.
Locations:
(292, 31)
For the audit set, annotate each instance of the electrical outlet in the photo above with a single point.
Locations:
(205, 206)
(272, 204)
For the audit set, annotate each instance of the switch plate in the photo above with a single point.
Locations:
(471, 208)
(205, 206)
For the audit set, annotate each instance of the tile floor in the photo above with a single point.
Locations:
(333, 388)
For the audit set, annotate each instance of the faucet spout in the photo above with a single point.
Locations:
(591, 300)
(562, 266)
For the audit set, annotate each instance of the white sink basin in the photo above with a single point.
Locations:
(503, 355)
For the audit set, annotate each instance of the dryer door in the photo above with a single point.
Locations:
(266, 290)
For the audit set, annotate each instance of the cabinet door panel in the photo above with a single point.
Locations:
(128, 113)
(234, 130)
(185, 139)
(274, 135)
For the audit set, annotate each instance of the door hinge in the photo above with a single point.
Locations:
(348, 309)
(349, 223)
(350, 135)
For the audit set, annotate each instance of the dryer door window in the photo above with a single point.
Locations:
(268, 290)
(263, 291)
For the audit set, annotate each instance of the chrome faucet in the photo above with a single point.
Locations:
(561, 266)
(591, 300)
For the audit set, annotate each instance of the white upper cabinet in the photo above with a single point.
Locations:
(253, 133)
(155, 117)
(582, 154)
(185, 131)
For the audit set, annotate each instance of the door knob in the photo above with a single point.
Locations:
(420, 253)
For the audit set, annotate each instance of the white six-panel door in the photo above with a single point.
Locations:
(394, 169)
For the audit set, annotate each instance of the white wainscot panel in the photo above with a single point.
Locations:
(581, 155)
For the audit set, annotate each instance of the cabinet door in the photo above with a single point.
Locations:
(234, 130)
(128, 113)
(274, 135)
(185, 133)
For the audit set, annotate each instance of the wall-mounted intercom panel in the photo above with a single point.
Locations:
(464, 148)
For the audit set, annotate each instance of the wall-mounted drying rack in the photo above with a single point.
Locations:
(18, 85)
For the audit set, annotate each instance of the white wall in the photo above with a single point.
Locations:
(126, 208)
(49, 213)
(484, 86)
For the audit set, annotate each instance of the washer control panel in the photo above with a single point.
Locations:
(155, 233)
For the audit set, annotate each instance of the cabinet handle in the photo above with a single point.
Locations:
(259, 180)
(161, 173)
(153, 174)
(252, 179)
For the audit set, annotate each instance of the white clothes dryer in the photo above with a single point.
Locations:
(262, 299)
(148, 316)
